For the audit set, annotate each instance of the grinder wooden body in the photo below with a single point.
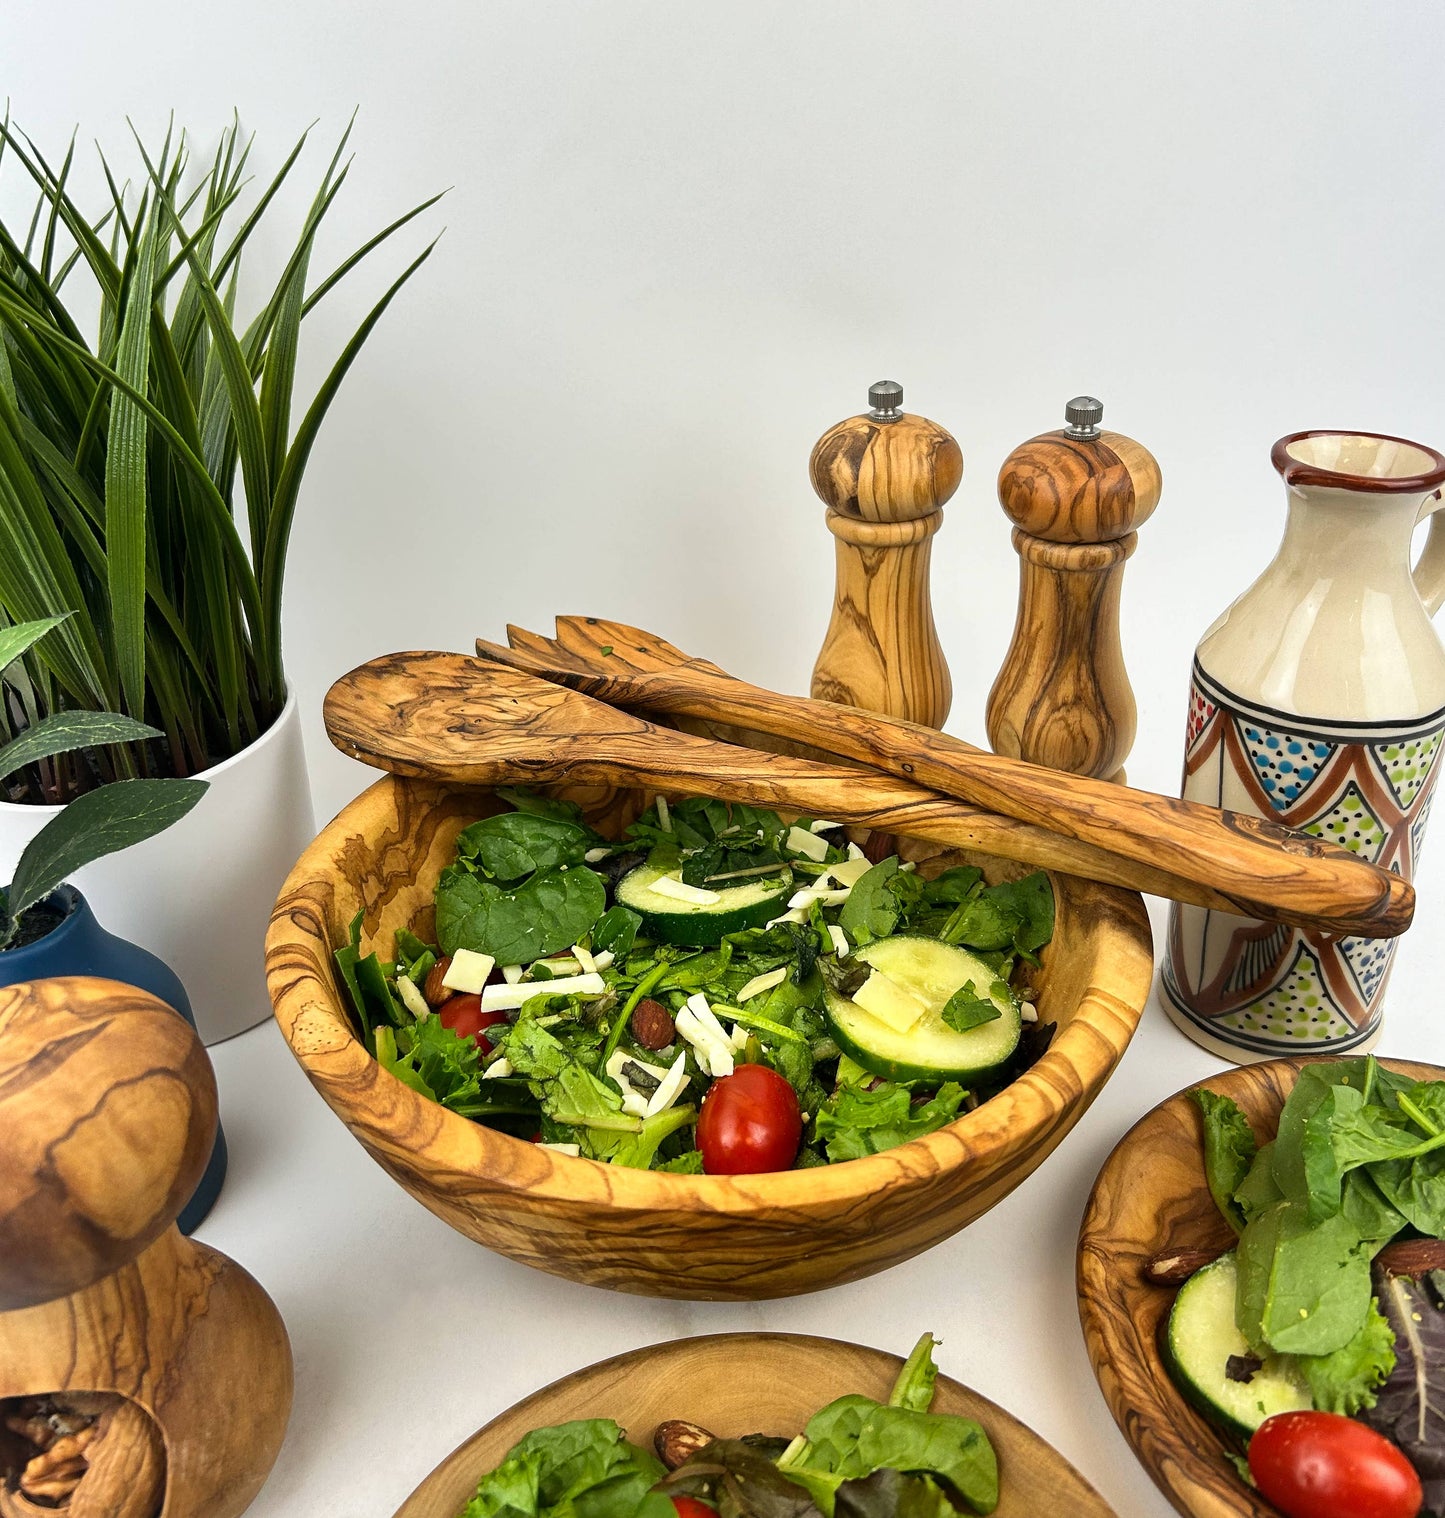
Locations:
(884, 477)
(142, 1374)
(1062, 697)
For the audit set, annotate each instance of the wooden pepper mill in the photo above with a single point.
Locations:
(142, 1375)
(884, 477)
(1076, 495)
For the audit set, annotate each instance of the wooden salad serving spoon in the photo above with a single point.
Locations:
(445, 716)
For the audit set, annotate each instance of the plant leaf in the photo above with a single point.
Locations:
(125, 479)
(15, 640)
(62, 732)
(97, 823)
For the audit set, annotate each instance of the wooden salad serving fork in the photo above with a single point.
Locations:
(449, 717)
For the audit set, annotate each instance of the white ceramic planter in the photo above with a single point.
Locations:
(200, 894)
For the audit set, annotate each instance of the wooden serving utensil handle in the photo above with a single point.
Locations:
(449, 717)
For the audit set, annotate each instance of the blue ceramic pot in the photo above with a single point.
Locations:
(80, 946)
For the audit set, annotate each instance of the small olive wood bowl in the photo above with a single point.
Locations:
(736, 1384)
(713, 1237)
(1152, 1196)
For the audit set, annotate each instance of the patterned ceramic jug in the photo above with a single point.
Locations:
(1319, 700)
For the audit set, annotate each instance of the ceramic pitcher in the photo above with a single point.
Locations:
(1318, 699)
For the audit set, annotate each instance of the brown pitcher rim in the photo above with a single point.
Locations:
(1296, 472)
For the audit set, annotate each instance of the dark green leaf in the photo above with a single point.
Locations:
(1229, 1151)
(97, 823)
(551, 911)
(15, 640)
(871, 910)
(615, 931)
(892, 1494)
(966, 1009)
(511, 845)
(65, 731)
(854, 1122)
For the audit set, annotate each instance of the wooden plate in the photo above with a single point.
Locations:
(1151, 1196)
(738, 1384)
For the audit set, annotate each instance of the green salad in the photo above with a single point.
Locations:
(718, 990)
(856, 1458)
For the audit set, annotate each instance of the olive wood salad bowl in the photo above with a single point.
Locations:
(659, 1234)
(738, 1384)
(1152, 1198)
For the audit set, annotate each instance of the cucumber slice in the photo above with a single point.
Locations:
(1198, 1343)
(901, 1033)
(665, 919)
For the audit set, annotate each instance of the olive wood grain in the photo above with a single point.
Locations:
(1158, 844)
(884, 482)
(736, 1384)
(1062, 696)
(710, 1237)
(107, 1115)
(1151, 1197)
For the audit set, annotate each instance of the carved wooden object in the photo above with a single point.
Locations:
(717, 1237)
(1151, 1197)
(1148, 842)
(142, 1375)
(736, 1384)
(1076, 497)
(884, 477)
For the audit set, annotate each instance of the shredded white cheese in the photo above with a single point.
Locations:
(822, 825)
(840, 940)
(411, 998)
(671, 1087)
(512, 974)
(810, 845)
(584, 959)
(760, 983)
(468, 971)
(575, 1150)
(675, 887)
(498, 1069)
(505, 997)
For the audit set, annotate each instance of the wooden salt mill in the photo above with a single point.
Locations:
(884, 477)
(142, 1375)
(1076, 495)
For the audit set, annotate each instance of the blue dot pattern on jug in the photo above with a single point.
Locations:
(1284, 763)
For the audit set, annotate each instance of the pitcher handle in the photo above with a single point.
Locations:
(1429, 572)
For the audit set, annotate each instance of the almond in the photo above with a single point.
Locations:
(1174, 1266)
(434, 992)
(677, 1440)
(652, 1025)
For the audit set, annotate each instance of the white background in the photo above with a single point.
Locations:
(680, 242)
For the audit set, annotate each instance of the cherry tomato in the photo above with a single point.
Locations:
(1324, 1465)
(464, 1016)
(693, 1507)
(749, 1123)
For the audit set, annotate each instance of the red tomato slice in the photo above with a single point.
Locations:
(693, 1507)
(1324, 1465)
(749, 1123)
(464, 1016)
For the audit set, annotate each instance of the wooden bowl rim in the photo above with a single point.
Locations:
(1083, 1050)
(1140, 1421)
(683, 1350)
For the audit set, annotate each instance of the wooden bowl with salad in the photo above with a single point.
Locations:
(667, 1400)
(1260, 1284)
(690, 1048)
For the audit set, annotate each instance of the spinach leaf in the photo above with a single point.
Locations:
(966, 1009)
(855, 1436)
(1410, 1407)
(551, 911)
(1366, 1208)
(584, 1468)
(1303, 1288)
(1258, 1191)
(871, 910)
(1416, 1188)
(1345, 1380)
(891, 1494)
(512, 845)
(1016, 914)
(546, 806)
(615, 931)
(855, 1122)
(953, 886)
(914, 1387)
(1342, 1132)
(1229, 1151)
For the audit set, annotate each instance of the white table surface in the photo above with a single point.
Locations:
(408, 1337)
